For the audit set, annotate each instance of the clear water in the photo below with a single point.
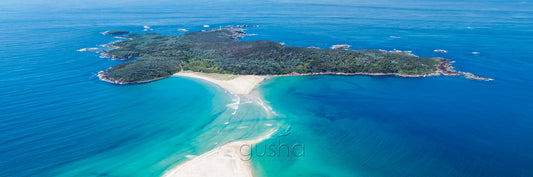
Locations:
(57, 118)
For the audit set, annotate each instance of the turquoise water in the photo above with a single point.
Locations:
(58, 119)
(391, 126)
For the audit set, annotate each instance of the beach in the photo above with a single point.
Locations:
(224, 161)
(236, 84)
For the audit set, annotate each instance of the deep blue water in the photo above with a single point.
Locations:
(56, 117)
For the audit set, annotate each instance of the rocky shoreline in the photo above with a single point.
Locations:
(444, 68)
(104, 77)
(447, 69)
(106, 54)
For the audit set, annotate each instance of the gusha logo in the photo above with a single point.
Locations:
(247, 151)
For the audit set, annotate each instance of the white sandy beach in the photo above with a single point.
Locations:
(224, 161)
(236, 84)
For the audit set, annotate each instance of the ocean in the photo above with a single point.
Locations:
(58, 119)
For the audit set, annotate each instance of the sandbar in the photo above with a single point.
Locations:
(224, 161)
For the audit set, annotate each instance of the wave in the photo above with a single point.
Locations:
(235, 104)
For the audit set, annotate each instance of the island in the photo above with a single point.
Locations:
(217, 51)
(116, 32)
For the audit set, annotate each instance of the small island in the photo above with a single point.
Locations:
(217, 51)
(116, 32)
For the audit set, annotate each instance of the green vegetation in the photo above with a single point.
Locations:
(117, 32)
(216, 52)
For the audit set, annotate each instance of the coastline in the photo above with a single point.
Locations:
(359, 73)
(244, 84)
(445, 68)
(223, 161)
(103, 76)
